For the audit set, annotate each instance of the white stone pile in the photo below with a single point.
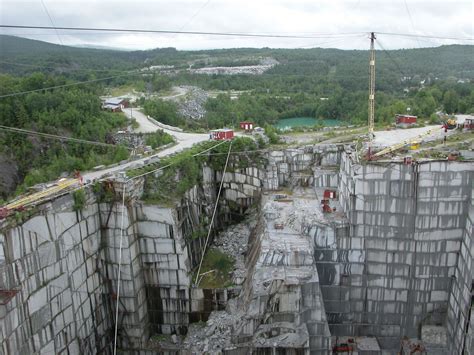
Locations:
(213, 336)
(192, 106)
(233, 242)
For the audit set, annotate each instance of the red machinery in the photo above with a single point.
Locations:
(4, 212)
(342, 348)
(329, 194)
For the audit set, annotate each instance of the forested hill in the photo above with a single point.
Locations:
(23, 56)
(440, 62)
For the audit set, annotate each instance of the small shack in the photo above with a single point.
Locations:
(115, 104)
(469, 124)
(405, 120)
(222, 134)
(246, 126)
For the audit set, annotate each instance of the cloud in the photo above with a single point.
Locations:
(421, 17)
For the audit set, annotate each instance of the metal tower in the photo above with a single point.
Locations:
(371, 92)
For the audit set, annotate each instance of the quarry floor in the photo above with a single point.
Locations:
(295, 208)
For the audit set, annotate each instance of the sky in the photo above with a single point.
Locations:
(341, 24)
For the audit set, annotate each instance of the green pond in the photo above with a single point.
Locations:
(287, 123)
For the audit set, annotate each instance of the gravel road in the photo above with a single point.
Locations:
(184, 140)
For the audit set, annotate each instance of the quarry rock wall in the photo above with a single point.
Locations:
(460, 315)
(394, 257)
(312, 165)
(54, 298)
(408, 227)
(59, 270)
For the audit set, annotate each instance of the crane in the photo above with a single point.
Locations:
(371, 94)
(371, 111)
(38, 197)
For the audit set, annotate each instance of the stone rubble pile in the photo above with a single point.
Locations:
(233, 242)
(216, 334)
(213, 336)
(246, 69)
(192, 106)
(128, 139)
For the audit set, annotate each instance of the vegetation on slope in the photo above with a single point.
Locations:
(74, 112)
(321, 83)
(216, 270)
(184, 170)
(158, 139)
(163, 111)
(341, 104)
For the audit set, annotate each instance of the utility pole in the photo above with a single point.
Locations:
(371, 92)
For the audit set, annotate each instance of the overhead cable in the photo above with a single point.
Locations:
(226, 34)
(196, 281)
(62, 68)
(119, 268)
(53, 136)
(168, 165)
(52, 22)
(412, 23)
(70, 84)
(194, 15)
(426, 36)
(391, 58)
(231, 34)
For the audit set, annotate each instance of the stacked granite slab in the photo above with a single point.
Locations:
(460, 316)
(407, 225)
(59, 303)
(242, 186)
(469, 344)
(326, 176)
(122, 249)
(166, 268)
(299, 166)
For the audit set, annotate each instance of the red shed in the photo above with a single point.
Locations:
(469, 124)
(222, 134)
(246, 125)
(405, 120)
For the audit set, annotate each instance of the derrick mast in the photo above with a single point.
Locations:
(371, 92)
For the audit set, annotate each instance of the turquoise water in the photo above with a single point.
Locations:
(287, 123)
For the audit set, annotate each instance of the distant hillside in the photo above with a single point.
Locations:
(440, 62)
(22, 56)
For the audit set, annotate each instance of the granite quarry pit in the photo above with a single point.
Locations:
(329, 254)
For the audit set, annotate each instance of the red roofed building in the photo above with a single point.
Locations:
(405, 120)
(222, 134)
(246, 125)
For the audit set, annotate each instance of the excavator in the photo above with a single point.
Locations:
(450, 123)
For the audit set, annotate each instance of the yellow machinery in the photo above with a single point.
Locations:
(451, 123)
(415, 141)
(60, 186)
